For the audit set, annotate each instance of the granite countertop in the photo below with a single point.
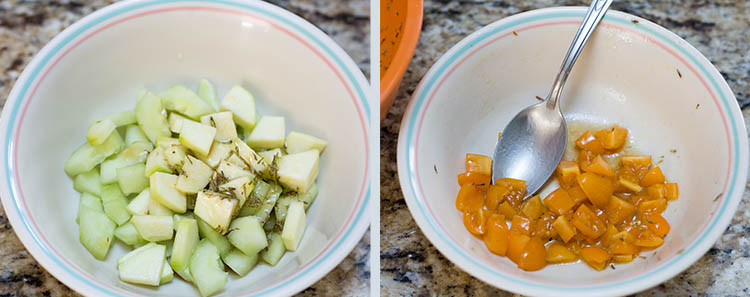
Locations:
(26, 26)
(411, 266)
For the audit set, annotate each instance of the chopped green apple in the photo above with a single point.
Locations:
(298, 171)
(132, 179)
(129, 235)
(194, 177)
(222, 121)
(96, 232)
(88, 182)
(139, 204)
(134, 134)
(268, 133)
(240, 263)
(297, 142)
(115, 204)
(175, 122)
(157, 162)
(275, 250)
(87, 156)
(215, 209)
(185, 240)
(218, 240)
(183, 100)
(241, 187)
(155, 208)
(167, 274)
(230, 171)
(99, 131)
(123, 118)
(154, 228)
(242, 105)
(206, 269)
(219, 151)
(248, 235)
(269, 155)
(294, 225)
(197, 137)
(163, 191)
(143, 265)
(207, 92)
(148, 113)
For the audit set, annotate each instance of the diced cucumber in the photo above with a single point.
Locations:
(185, 274)
(183, 100)
(167, 274)
(308, 197)
(197, 137)
(282, 206)
(298, 171)
(275, 250)
(139, 204)
(87, 156)
(148, 113)
(156, 162)
(240, 263)
(134, 134)
(218, 240)
(115, 204)
(163, 191)
(247, 235)
(242, 105)
(175, 122)
(270, 224)
(155, 208)
(154, 228)
(222, 121)
(229, 171)
(99, 131)
(251, 158)
(207, 92)
(297, 142)
(215, 209)
(129, 235)
(294, 225)
(268, 133)
(175, 156)
(267, 207)
(194, 177)
(219, 151)
(269, 155)
(185, 241)
(256, 198)
(241, 187)
(132, 179)
(95, 232)
(88, 182)
(134, 154)
(166, 142)
(143, 265)
(178, 217)
(123, 118)
(90, 202)
(206, 269)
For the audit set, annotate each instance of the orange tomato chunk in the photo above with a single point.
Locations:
(595, 257)
(619, 210)
(495, 195)
(496, 235)
(588, 142)
(533, 209)
(506, 210)
(559, 201)
(567, 172)
(597, 188)
(559, 253)
(521, 225)
(564, 228)
(588, 223)
(652, 177)
(673, 192)
(653, 206)
(476, 163)
(474, 221)
(474, 178)
(600, 167)
(534, 256)
(657, 224)
(612, 138)
(516, 244)
(469, 198)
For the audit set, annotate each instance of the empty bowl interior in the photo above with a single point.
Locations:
(102, 76)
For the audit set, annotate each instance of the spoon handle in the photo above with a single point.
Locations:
(596, 12)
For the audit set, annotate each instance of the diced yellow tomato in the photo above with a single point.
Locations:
(559, 253)
(516, 244)
(595, 257)
(584, 158)
(653, 206)
(476, 163)
(512, 184)
(588, 142)
(544, 228)
(657, 191)
(624, 236)
(567, 172)
(622, 259)
(506, 210)
(619, 210)
(657, 224)
(673, 192)
(478, 179)
(495, 196)
(576, 194)
(588, 223)
(564, 228)
(623, 248)
(612, 138)
(469, 198)
(496, 235)
(600, 167)
(627, 183)
(559, 201)
(474, 221)
(598, 189)
(638, 165)
(652, 177)
(533, 208)
(521, 225)
(648, 239)
(534, 256)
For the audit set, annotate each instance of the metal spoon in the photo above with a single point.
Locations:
(533, 143)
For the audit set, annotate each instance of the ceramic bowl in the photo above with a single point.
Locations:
(633, 73)
(95, 68)
(401, 24)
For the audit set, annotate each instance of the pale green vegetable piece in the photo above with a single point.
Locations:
(179, 217)
(88, 182)
(194, 177)
(229, 171)
(185, 274)
(148, 112)
(167, 274)
(241, 187)
(267, 207)
(294, 225)
(134, 134)
(129, 235)
(156, 162)
(143, 265)
(222, 121)
(167, 142)
(207, 92)
(197, 137)
(240, 263)
(275, 250)
(297, 142)
(154, 228)
(298, 171)
(139, 204)
(183, 100)
(99, 131)
(175, 122)
(269, 133)
(95, 232)
(155, 208)
(134, 154)
(308, 197)
(215, 209)
(218, 240)
(132, 179)
(282, 206)
(115, 204)
(91, 202)
(219, 151)
(123, 118)
(269, 155)
(251, 158)
(87, 156)
(247, 235)
(163, 191)
(242, 105)
(256, 198)
(185, 241)
(206, 269)
(175, 156)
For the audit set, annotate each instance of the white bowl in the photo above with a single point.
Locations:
(628, 74)
(95, 67)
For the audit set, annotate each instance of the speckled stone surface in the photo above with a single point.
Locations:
(26, 26)
(411, 266)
